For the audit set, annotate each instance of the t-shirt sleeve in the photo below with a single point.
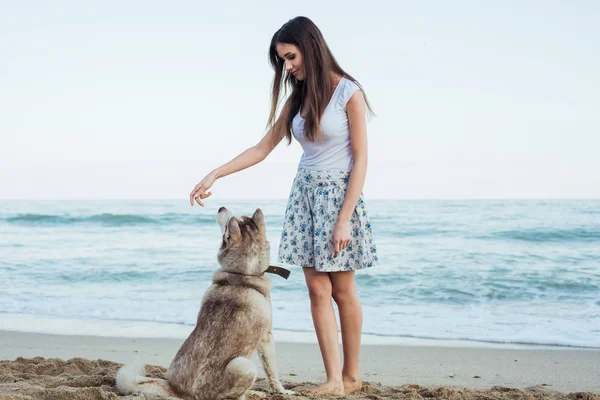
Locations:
(347, 91)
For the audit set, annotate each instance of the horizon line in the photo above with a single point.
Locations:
(286, 198)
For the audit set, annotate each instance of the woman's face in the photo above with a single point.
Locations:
(294, 63)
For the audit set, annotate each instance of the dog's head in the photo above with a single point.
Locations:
(244, 248)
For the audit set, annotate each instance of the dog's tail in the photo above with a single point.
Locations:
(131, 379)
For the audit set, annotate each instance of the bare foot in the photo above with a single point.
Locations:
(327, 389)
(352, 385)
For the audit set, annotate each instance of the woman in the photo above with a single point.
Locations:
(326, 228)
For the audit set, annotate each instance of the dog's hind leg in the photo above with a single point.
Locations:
(238, 378)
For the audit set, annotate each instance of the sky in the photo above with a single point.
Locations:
(141, 99)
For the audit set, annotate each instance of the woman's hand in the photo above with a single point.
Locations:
(200, 190)
(341, 236)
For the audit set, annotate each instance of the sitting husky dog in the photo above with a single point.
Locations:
(234, 320)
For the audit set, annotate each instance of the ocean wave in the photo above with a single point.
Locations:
(108, 219)
(399, 231)
(105, 276)
(556, 235)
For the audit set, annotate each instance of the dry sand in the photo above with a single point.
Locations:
(391, 372)
(82, 379)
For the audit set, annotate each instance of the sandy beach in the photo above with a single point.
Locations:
(44, 366)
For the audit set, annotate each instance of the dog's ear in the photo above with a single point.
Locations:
(233, 229)
(259, 219)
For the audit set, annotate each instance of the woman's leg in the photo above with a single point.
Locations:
(344, 294)
(320, 291)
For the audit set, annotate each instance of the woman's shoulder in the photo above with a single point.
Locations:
(347, 89)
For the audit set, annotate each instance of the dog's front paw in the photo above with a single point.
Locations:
(280, 389)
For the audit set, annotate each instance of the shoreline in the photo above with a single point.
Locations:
(122, 329)
(562, 370)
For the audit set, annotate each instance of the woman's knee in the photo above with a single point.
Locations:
(343, 287)
(319, 288)
(344, 295)
(319, 292)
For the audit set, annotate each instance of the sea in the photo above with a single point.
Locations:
(523, 272)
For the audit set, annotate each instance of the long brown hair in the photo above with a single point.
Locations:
(316, 86)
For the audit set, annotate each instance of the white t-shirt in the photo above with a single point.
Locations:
(330, 151)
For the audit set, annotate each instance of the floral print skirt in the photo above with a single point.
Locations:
(315, 201)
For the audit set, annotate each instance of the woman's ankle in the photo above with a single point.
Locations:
(334, 380)
(351, 377)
